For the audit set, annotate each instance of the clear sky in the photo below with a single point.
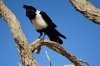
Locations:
(83, 36)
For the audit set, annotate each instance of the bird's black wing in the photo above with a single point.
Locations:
(47, 19)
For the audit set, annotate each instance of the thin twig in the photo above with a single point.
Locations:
(48, 58)
(17, 47)
(19, 64)
(69, 65)
(84, 62)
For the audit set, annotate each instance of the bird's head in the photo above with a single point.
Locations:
(29, 7)
(30, 11)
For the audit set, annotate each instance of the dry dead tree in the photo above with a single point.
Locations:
(87, 9)
(25, 50)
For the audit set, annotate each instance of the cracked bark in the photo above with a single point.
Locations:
(87, 9)
(20, 39)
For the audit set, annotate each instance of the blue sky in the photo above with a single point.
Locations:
(83, 36)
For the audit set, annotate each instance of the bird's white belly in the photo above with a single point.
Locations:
(39, 23)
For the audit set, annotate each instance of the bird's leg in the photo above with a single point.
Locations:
(43, 35)
(40, 34)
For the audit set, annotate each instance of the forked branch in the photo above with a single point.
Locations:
(56, 47)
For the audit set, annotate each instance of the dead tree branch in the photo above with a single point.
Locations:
(19, 64)
(85, 62)
(87, 9)
(56, 47)
(20, 39)
(48, 58)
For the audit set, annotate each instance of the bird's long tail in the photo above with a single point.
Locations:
(54, 35)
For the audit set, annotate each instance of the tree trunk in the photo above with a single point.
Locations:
(20, 39)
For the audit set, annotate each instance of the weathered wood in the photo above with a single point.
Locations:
(87, 9)
(56, 47)
(20, 39)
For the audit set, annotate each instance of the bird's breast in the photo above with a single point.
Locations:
(39, 23)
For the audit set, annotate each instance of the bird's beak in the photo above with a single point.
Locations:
(24, 6)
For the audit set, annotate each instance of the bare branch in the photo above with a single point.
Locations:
(19, 64)
(87, 9)
(48, 58)
(56, 47)
(20, 39)
(69, 65)
(17, 48)
(84, 62)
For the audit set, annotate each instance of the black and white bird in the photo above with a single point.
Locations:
(43, 24)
